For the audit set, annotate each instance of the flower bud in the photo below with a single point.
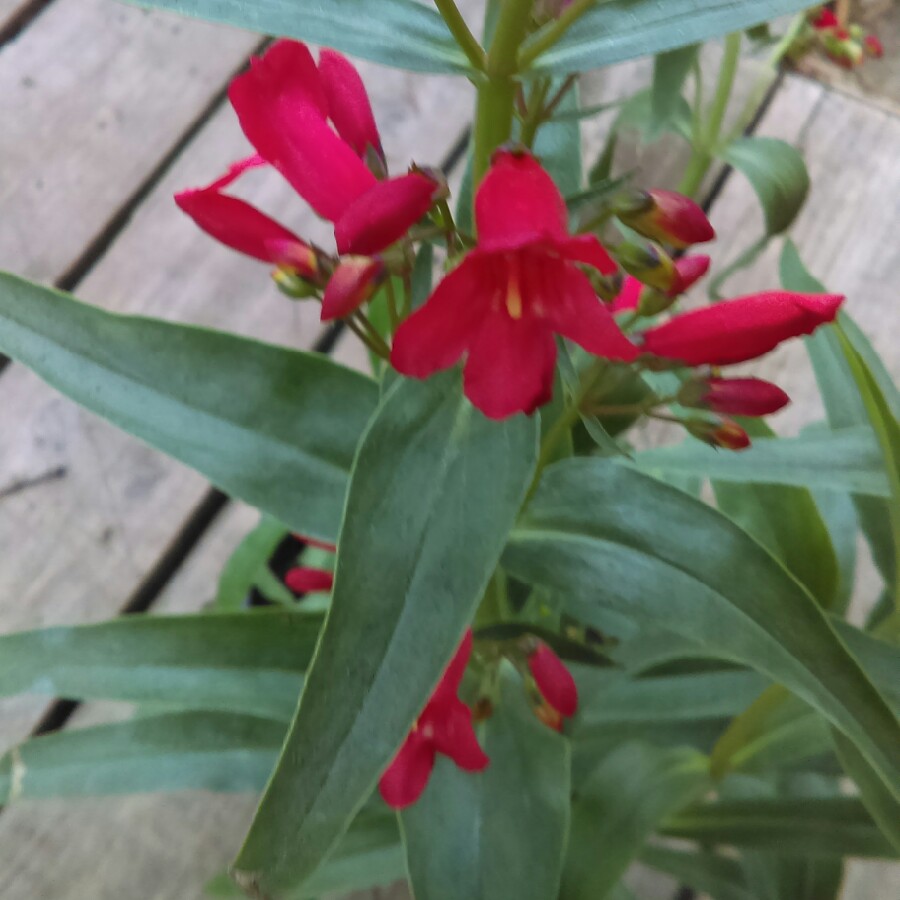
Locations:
(354, 281)
(873, 46)
(303, 580)
(650, 265)
(665, 216)
(725, 434)
(553, 680)
(734, 396)
(293, 285)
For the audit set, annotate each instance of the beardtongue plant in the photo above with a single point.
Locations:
(525, 655)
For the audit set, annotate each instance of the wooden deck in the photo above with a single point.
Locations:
(106, 111)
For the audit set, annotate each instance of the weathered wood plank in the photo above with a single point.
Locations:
(93, 94)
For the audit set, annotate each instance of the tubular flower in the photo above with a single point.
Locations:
(284, 104)
(554, 680)
(511, 294)
(737, 330)
(735, 396)
(445, 726)
(666, 216)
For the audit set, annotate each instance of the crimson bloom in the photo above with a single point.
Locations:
(554, 680)
(314, 124)
(666, 216)
(735, 396)
(503, 304)
(737, 330)
(445, 726)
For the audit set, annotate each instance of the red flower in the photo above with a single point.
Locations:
(303, 580)
(873, 46)
(284, 103)
(445, 726)
(825, 19)
(504, 302)
(737, 330)
(554, 680)
(735, 396)
(354, 280)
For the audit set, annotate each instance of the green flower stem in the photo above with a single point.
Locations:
(551, 33)
(497, 93)
(378, 347)
(535, 112)
(462, 34)
(393, 310)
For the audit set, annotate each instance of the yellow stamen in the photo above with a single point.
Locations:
(513, 291)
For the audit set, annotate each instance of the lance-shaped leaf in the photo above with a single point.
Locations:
(670, 70)
(618, 808)
(435, 489)
(810, 826)
(259, 421)
(845, 460)
(244, 662)
(606, 536)
(172, 752)
(498, 834)
(616, 30)
(400, 33)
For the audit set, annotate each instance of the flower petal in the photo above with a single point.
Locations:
(244, 228)
(384, 213)
(518, 204)
(587, 249)
(578, 315)
(348, 103)
(302, 580)
(290, 73)
(454, 736)
(629, 297)
(453, 675)
(435, 336)
(352, 283)
(235, 170)
(510, 366)
(287, 128)
(554, 680)
(738, 330)
(406, 777)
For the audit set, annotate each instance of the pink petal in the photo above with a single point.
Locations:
(629, 296)
(289, 73)
(384, 214)
(554, 680)
(244, 228)
(518, 204)
(435, 336)
(291, 134)
(510, 366)
(579, 316)
(587, 249)
(454, 736)
(302, 580)
(406, 777)
(353, 282)
(453, 675)
(348, 102)
(235, 170)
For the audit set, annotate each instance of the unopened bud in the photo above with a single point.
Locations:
(734, 396)
(873, 46)
(725, 434)
(607, 287)
(354, 281)
(650, 265)
(293, 285)
(668, 217)
(553, 680)
(303, 580)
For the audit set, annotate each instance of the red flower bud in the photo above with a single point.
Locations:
(737, 330)
(742, 396)
(302, 580)
(554, 680)
(691, 269)
(725, 434)
(650, 265)
(666, 216)
(825, 19)
(353, 282)
(873, 46)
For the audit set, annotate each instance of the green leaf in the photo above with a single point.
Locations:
(777, 173)
(443, 484)
(617, 809)
(839, 516)
(623, 29)
(845, 460)
(558, 144)
(786, 521)
(172, 752)
(883, 808)
(675, 698)
(844, 404)
(811, 826)
(422, 275)
(400, 33)
(247, 564)
(258, 421)
(706, 873)
(499, 834)
(670, 70)
(610, 538)
(249, 662)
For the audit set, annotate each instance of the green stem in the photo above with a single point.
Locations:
(461, 32)
(379, 348)
(727, 74)
(535, 112)
(393, 311)
(694, 173)
(552, 32)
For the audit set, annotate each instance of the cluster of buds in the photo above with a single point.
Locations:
(845, 43)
